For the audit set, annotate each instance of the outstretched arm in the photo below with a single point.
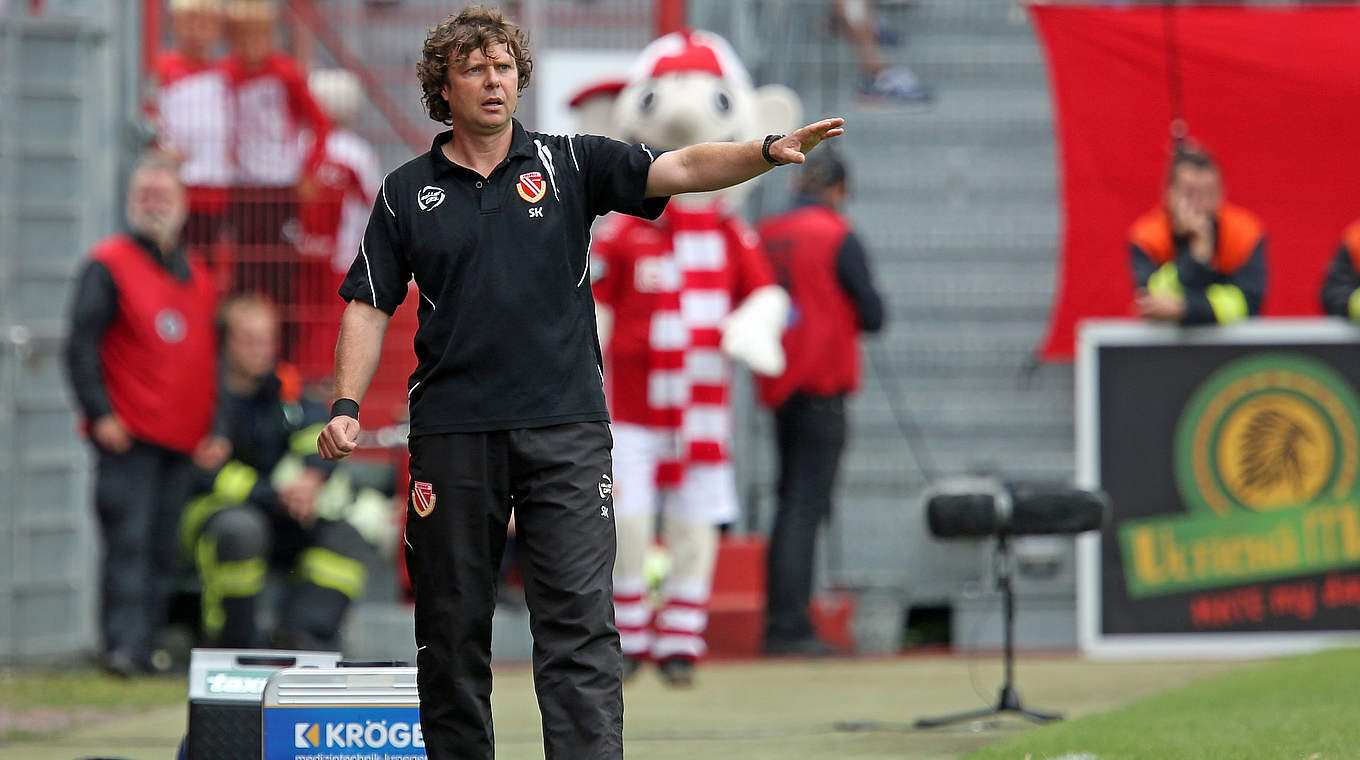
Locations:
(713, 166)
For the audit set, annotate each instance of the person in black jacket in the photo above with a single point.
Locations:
(264, 507)
(141, 358)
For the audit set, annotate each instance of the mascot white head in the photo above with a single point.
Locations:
(686, 88)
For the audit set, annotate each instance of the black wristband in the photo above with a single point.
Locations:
(345, 407)
(765, 149)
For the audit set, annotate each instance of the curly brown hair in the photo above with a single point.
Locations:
(475, 27)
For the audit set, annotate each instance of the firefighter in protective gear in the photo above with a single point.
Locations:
(1196, 258)
(275, 503)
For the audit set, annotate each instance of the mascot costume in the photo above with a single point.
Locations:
(675, 298)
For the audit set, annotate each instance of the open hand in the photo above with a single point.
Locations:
(1195, 224)
(793, 148)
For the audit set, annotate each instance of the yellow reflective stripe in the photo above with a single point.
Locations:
(195, 514)
(1228, 302)
(235, 480)
(1166, 281)
(1354, 308)
(242, 577)
(222, 580)
(214, 617)
(332, 570)
(304, 441)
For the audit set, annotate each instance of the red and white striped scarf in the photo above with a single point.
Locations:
(689, 377)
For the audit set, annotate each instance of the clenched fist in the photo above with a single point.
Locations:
(339, 439)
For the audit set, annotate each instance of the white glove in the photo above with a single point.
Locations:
(751, 334)
(604, 325)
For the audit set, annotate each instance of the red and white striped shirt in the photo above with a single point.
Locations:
(670, 283)
(333, 222)
(193, 113)
(272, 106)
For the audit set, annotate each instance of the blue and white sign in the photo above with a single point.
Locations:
(330, 733)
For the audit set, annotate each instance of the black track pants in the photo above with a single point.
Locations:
(811, 434)
(139, 495)
(559, 480)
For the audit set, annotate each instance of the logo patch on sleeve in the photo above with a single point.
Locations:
(422, 498)
(531, 187)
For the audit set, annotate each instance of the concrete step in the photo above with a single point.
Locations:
(1005, 278)
(886, 224)
(982, 17)
(1001, 380)
(968, 177)
(939, 58)
(1016, 457)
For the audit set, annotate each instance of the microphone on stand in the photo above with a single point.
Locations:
(1018, 508)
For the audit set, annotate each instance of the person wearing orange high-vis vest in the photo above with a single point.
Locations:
(1342, 284)
(1196, 258)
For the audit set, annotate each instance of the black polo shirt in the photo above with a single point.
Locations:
(507, 322)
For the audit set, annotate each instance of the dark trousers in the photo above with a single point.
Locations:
(564, 519)
(810, 432)
(325, 564)
(139, 495)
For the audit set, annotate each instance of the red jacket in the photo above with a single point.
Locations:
(821, 345)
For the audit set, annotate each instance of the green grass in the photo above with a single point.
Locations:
(1302, 708)
(36, 703)
(22, 689)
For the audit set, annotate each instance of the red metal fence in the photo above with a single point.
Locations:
(273, 211)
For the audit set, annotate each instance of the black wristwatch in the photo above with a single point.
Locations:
(765, 149)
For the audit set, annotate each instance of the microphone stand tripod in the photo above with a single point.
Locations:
(1008, 701)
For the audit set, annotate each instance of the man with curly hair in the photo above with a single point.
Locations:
(506, 403)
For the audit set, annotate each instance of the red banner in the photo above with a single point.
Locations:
(1273, 93)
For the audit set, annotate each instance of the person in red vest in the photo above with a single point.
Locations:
(141, 359)
(192, 118)
(1196, 258)
(1342, 283)
(821, 262)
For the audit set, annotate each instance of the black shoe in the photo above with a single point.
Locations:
(677, 671)
(631, 665)
(119, 664)
(807, 646)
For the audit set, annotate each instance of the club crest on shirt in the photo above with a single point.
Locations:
(531, 187)
(422, 498)
(171, 325)
(429, 197)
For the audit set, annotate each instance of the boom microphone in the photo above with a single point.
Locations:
(1018, 509)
